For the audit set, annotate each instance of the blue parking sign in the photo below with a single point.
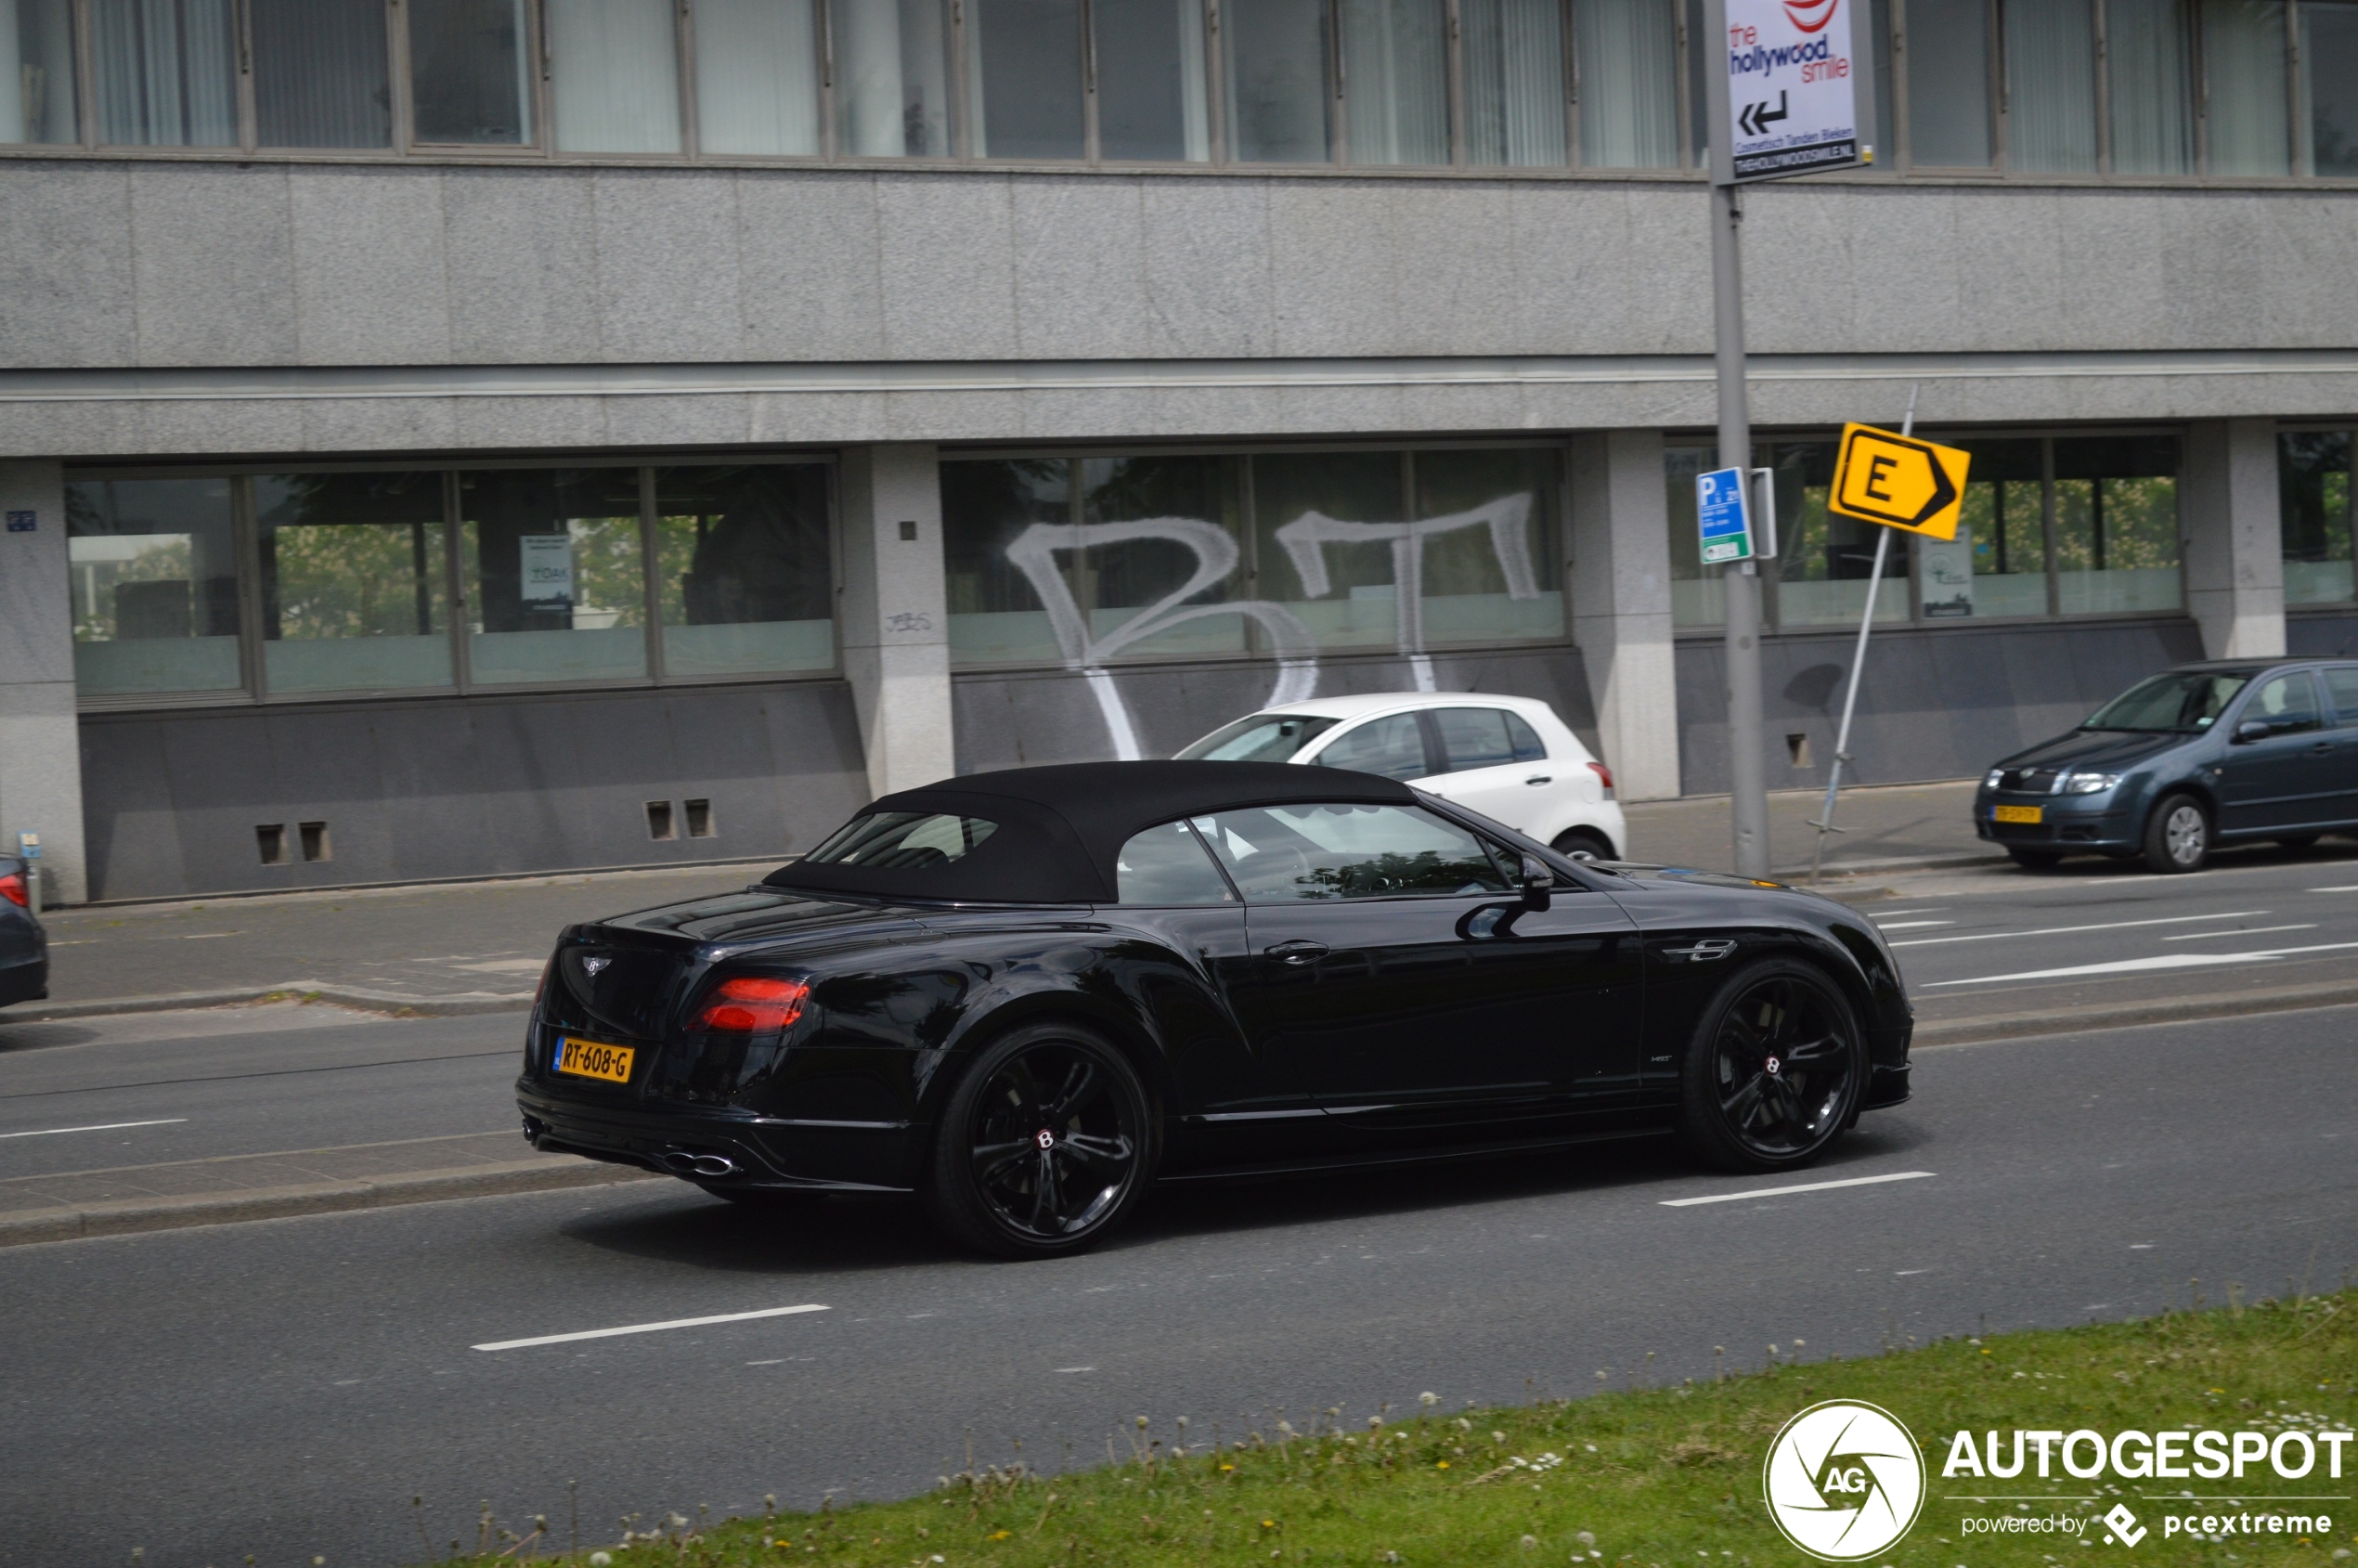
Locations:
(1723, 516)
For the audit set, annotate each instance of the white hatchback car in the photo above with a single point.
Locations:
(1508, 757)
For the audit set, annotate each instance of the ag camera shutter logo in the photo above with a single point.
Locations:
(1844, 1481)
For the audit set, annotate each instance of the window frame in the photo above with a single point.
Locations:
(2349, 432)
(254, 688)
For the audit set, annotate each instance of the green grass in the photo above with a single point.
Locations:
(1646, 1478)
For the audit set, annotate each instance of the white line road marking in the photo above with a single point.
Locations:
(1910, 924)
(648, 1328)
(1075, 1368)
(101, 1127)
(2240, 931)
(2351, 889)
(2131, 966)
(2065, 930)
(1780, 1191)
(1926, 908)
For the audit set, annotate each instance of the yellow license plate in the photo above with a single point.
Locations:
(589, 1058)
(2016, 813)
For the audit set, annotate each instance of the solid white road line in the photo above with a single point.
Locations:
(2351, 889)
(2253, 931)
(648, 1328)
(1910, 924)
(1925, 909)
(2065, 930)
(101, 1127)
(2132, 965)
(1780, 1191)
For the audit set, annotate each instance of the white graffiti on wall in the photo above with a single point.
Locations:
(1035, 553)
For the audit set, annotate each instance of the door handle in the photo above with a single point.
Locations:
(1540, 779)
(1299, 952)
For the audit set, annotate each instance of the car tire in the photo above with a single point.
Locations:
(1584, 844)
(1742, 1106)
(2036, 859)
(2177, 835)
(1046, 1144)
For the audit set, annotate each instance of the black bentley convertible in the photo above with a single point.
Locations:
(1025, 995)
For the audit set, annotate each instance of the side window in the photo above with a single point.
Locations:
(1475, 738)
(1168, 865)
(2288, 703)
(1280, 854)
(2341, 681)
(1391, 748)
(1528, 746)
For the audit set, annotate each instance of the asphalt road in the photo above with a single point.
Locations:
(285, 1388)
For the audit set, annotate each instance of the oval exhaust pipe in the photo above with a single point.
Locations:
(688, 1162)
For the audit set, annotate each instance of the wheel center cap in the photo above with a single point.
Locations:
(1775, 1066)
(1044, 1138)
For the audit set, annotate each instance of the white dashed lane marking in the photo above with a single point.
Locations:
(2067, 930)
(649, 1327)
(1780, 1191)
(2165, 961)
(101, 1127)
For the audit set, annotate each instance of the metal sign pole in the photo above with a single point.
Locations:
(1824, 822)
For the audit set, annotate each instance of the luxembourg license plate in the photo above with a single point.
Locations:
(2018, 813)
(590, 1058)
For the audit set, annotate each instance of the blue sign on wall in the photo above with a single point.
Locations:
(1723, 516)
(22, 522)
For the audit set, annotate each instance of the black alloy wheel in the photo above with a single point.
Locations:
(1583, 844)
(2177, 835)
(1775, 1071)
(2036, 859)
(1044, 1144)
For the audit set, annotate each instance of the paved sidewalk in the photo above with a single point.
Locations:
(260, 1187)
(1885, 827)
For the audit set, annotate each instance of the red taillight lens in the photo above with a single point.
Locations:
(541, 990)
(12, 889)
(748, 1005)
(1603, 773)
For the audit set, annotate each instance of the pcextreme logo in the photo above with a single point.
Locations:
(1843, 1480)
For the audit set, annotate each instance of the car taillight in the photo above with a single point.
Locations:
(541, 990)
(12, 889)
(1603, 773)
(749, 1004)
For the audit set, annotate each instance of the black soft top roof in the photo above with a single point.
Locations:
(1060, 828)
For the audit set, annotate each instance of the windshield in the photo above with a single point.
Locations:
(1262, 737)
(902, 840)
(2185, 703)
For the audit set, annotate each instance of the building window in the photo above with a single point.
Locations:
(2148, 44)
(469, 72)
(1513, 53)
(1082, 561)
(1024, 79)
(555, 580)
(36, 73)
(2245, 89)
(2051, 85)
(892, 78)
(744, 584)
(758, 77)
(1997, 566)
(1276, 64)
(1947, 47)
(356, 586)
(320, 74)
(2116, 523)
(153, 563)
(2329, 87)
(1395, 72)
(2314, 480)
(1627, 52)
(1153, 101)
(1823, 558)
(614, 71)
(166, 71)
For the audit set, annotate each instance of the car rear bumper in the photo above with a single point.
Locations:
(26, 979)
(758, 1151)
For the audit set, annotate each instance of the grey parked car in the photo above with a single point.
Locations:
(2228, 752)
(24, 947)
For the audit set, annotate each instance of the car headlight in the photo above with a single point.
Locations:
(2090, 783)
(1995, 775)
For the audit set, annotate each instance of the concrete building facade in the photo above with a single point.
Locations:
(590, 488)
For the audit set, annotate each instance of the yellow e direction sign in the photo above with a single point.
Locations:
(1899, 481)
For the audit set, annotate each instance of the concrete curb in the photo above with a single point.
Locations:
(127, 1217)
(2188, 1009)
(394, 1003)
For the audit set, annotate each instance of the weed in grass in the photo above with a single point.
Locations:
(1665, 1477)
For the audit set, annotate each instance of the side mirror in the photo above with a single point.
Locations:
(2253, 730)
(1538, 884)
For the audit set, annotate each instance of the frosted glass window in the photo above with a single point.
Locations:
(470, 80)
(892, 78)
(1276, 67)
(615, 65)
(2313, 484)
(758, 77)
(320, 74)
(1395, 58)
(554, 575)
(1514, 64)
(2248, 119)
(742, 567)
(1947, 49)
(1152, 98)
(1023, 79)
(153, 564)
(2149, 43)
(36, 72)
(1627, 58)
(2050, 73)
(2329, 87)
(167, 72)
(355, 591)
